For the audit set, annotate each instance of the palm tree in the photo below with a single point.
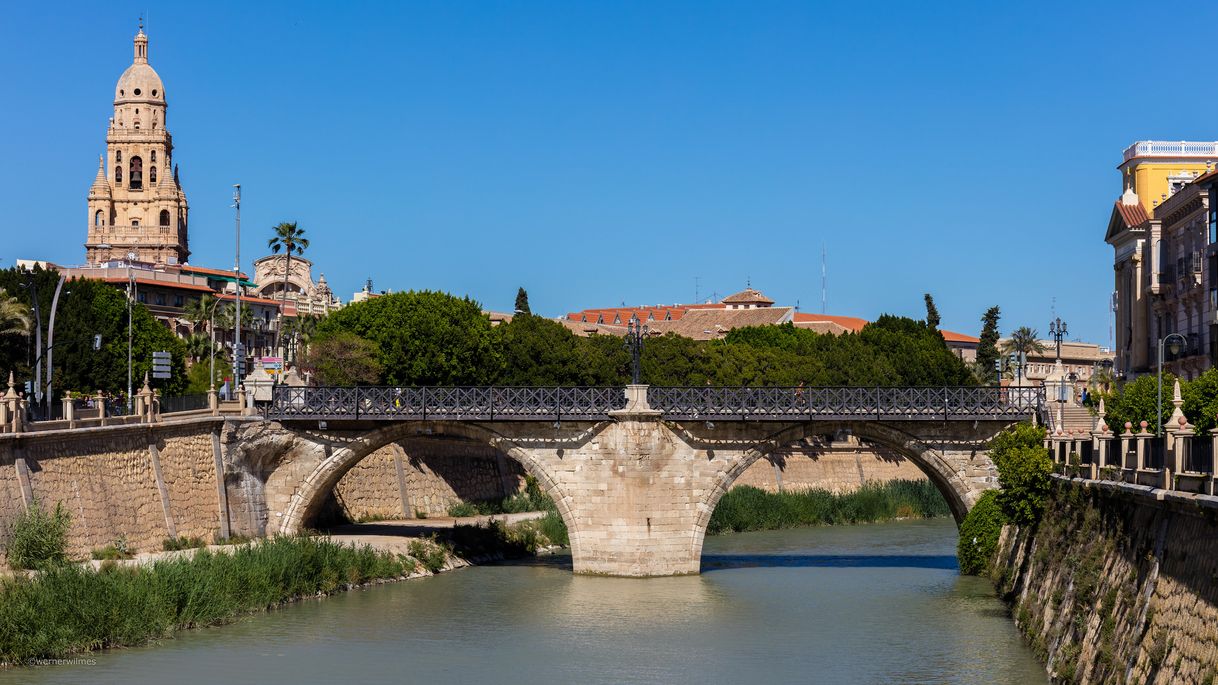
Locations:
(14, 316)
(1023, 340)
(289, 238)
(198, 311)
(198, 346)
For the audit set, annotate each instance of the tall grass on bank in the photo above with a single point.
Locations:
(532, 498)
(748, 508)
(69, 608)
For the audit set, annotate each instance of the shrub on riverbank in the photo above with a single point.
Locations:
(69, 608)
(748, 508)
(38, 538)
(979, 534)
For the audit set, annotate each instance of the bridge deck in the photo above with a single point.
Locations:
(503, 403)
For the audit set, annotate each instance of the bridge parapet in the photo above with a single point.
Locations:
(495, 403)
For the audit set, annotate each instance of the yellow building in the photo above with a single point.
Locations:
(1152, 171)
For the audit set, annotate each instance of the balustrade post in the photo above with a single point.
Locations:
(12, 407)
(69, 411)
(213, 401)
(101, 408)
(1142, 436)
(1209, 486)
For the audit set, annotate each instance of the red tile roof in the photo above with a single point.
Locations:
(1132, 215)
(850, 323)
(168, 285)
(214, 272)
(952, 336)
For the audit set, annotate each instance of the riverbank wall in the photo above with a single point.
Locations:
(141, 484)
(1118, 583)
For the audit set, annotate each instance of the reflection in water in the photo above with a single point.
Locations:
(879, 603)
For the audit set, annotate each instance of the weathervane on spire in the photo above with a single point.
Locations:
(141, 21)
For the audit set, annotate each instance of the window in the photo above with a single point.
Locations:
(135, 222)
(151, 175)
(118, 174)
(143, 298)
(137, 174)
(153, 158)
(178, 301)
(160, 298)
(164, 214)
(118, 156)
(1213, 214)
(97, 218)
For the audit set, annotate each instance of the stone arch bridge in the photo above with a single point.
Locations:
(636, 474)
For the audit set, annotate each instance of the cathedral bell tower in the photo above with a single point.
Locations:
(136, 204)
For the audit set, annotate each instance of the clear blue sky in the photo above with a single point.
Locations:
(599, 153)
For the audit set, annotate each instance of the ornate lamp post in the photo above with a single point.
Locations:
(1175, 349)
(1057, 329)
(635, 334)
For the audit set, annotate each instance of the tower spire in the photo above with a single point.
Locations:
(141, 44)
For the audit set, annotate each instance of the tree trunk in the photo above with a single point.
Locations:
(279, 330)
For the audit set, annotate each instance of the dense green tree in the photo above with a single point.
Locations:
(1200, 400)
(343, 358)
(932, 312)
(538, 351)
(198, 376)
(916, 353)
(1135, 402)
(423, 338)
(522, 302)
(89, 308)
(1024, 472)
(987, 347)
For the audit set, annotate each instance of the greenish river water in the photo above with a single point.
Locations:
(880, 603)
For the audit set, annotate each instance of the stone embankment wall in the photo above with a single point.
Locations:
(839, 467)
(425, 476)
(1117, 585)
(141, 484)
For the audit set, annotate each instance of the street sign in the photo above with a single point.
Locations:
(160, 364)
(271, 364)
(239, 360)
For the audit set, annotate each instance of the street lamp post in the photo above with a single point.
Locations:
(238, 352)
(1175, 349)
(211, 328)
(636, 332)
(1057, 329)
(130, 338)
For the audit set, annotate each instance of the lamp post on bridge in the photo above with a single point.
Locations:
(1057, 329)
(636, 332)
(1175, 349)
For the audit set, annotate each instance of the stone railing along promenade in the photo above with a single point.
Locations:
(1179, 460)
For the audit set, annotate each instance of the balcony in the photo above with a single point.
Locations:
(1164, 148)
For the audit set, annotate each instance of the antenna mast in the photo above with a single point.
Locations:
(824, 282)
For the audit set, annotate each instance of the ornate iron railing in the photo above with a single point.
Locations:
(693, 403)
(450, 403)
(847, 403)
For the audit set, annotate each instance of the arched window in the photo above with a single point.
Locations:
(118, 174)
(152, 175)
(136, 181)
(164, 216)
(97, 218)
(153, 159)
(118, 156)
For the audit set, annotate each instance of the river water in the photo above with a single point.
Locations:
(879, 603)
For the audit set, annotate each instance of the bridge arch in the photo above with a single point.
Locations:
(314, 488)
(950, 474)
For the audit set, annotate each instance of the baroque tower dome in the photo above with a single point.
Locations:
(140, 83)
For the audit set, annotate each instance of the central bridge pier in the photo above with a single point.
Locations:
(636, 488)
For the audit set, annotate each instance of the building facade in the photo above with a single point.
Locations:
(1163, 258)
(302, 295)
(137, 209)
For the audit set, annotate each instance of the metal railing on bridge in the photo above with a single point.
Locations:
(688, 403)
(453, 403)
(762, 403)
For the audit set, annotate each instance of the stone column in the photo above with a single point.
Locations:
(101, 408)
(143, 402)
(213, 401)
(69, 411)
(5, 406)
(1142, 436)
(1126, 437)
(1209, 489)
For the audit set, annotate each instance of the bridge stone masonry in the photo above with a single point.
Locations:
(635, 472)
